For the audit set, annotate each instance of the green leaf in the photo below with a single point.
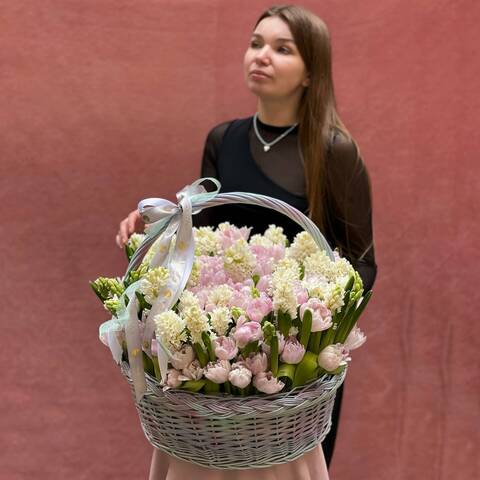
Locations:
(307, 370)
(201, 355)
(211, 387)
(284, 323)
(306, 327)
(193, 385)
(314, 342)
(208, 344)
(286, 373)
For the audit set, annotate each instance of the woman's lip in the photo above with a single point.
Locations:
(257, 74)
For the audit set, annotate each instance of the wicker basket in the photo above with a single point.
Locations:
(230, 432)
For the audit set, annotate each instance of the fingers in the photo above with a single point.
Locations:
(132, 219)
(128, 226)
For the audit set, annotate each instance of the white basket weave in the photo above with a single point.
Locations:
(231, 432)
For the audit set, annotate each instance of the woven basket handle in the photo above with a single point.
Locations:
(275, 204)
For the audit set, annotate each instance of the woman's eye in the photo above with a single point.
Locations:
(254, 44)
(284, 50)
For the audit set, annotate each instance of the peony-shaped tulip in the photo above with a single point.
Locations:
(183, 357)
(293, 351)
(173, 378)
(225, 348)
(356, 338)
(265, 382)
(257, 362)
(333, 356)
(240, 376)
(247, 332)
(218, 372)
(258, 308)
(193, 372)
(321, 315)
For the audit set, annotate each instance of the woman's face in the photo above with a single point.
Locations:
(273, 66)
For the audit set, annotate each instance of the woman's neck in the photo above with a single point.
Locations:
(277, 113)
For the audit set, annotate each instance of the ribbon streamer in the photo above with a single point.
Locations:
(164, 219)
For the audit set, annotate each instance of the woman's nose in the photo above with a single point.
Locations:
(263, 56)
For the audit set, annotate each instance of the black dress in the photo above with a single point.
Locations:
(235, 156)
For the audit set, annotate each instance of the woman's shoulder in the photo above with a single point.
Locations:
(344, 152)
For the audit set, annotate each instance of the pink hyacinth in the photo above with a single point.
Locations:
(257, 362)
(229, 234)
(239, 299)
(293, 351)
(247, 332)
(266, 258)
(257, 308)
(264, 284)
(265, 382)
(321, 315)
(225, 348)
(212, 271)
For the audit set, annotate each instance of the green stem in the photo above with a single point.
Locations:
(274, 355)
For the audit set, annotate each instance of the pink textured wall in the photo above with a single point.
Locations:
(106, 102)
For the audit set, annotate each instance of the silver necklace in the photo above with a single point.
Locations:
(268, 145)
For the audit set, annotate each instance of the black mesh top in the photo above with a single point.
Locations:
(234, 155)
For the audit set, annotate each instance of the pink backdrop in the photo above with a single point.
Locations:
(106, 102)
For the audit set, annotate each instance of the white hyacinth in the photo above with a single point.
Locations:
(194, 274)
(135, 240)
(220, 296)
(284, 298)
(319, 264)
(275, 235)
(287, 269)
(206, 241)
(170, 328)
(260, 240)
(188, 299)
(303, 245)
(153, 282)
(197, 322)
(220, 318)
(239, 261)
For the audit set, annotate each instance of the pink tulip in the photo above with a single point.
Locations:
(259, 307)
(356, 338)
(263, 285)
(265, 382)
(240, 376)
(225, 348)
(321, 315)
(293, 351)
(218, 372)
(248, 332)
(193, 372)
(257, 362)
(332, 357)
(173, 378)
(182, 358)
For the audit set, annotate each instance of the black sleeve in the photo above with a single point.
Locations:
(209, 168)
(349, 207)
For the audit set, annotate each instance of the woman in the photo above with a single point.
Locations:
(294, 148)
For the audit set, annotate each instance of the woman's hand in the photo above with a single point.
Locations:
(133, 223)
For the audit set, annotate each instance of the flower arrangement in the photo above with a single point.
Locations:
(257, 315)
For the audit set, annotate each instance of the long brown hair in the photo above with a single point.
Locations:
(317, 115)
